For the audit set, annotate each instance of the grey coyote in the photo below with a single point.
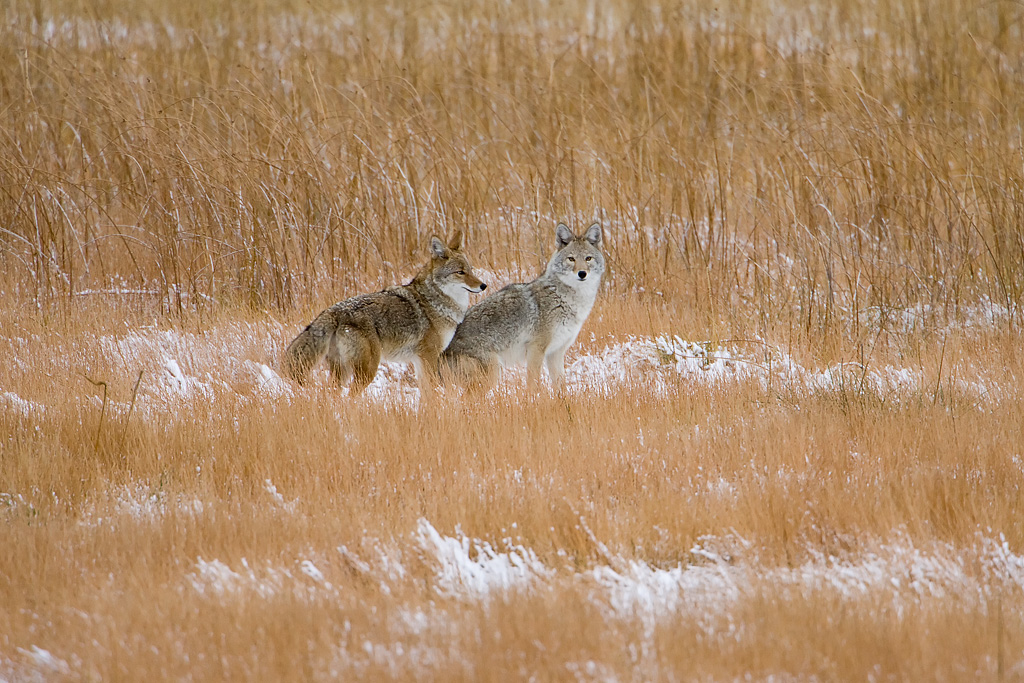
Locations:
(533, 322)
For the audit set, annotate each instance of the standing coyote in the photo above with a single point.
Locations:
(410, 323)
(533, 322)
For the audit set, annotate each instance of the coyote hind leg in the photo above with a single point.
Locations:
(353, 359)
(364, 367)
(485, 377)
(337, 361)
(476, 375)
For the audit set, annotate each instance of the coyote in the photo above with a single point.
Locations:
(410, 323)
(533, 322)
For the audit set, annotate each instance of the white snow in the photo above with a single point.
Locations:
(720, 576)
(269, 382)
(309, 569)
(139, 504)
(45, 663)
(37, 665)
(472, 569)
(722, 572)
(216, 579)
(658, 365)
(20, 405)
(240, 359)
(287, 506)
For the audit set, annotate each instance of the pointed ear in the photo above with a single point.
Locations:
(455, 243)
(437, 248)
(563, 235)
(594, 234)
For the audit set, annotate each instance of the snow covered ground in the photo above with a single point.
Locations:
(242, 358)
(717, 577)
(719, 574)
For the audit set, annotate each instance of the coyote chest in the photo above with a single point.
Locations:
(558, 314)
(564, 334)
(446, 335)
(569, 313)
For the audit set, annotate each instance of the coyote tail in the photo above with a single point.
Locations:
(306, 350)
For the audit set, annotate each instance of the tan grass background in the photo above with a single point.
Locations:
(837, 185)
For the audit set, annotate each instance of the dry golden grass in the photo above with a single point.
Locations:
(832, 198)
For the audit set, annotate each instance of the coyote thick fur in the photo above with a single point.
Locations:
(410, 323)
(533, 322)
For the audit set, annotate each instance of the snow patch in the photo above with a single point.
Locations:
(288, 506)
(268, 381)
(658, 365)
(472, 569)
(217, 579)
(179, 365)
(140, 504)
(896, 572)
(37, 665)
(309, 569)
(20, 405)
(722, 573)
(654, 363)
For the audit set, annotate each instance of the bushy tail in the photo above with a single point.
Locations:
(306, 350)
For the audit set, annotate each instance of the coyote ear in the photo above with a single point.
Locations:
(437, 248)
(594, 234)
(455, 243)
(563, 235)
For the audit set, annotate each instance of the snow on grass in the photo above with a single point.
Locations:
(174, 381)
(983, 315)
(637, 590)
(472, 569)
(217, 580)
(143, 504)
(13, 504)
(268, 381)
(309, 569)
(658, 364)
(36, 664)
(420, 573)
(177, 364)
(895, 572)
(394, 384)
(279, 501)
(240, 358)
(19, 405)
(234, 358)
(139, 504)
(720, 574)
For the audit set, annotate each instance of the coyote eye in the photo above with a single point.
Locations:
(571, 260)
(460, 272)
(589, 259)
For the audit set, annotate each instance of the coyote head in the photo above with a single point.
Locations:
(451, 270)
(579, 260)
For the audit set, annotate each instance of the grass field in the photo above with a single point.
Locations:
(792, 446)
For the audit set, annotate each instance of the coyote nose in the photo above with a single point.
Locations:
(483, 286)
(582, 274)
